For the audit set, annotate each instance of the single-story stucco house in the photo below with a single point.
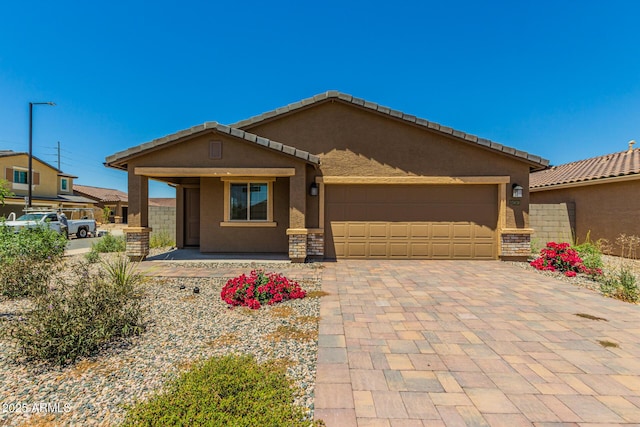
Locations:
(334, 176)
(602, 194)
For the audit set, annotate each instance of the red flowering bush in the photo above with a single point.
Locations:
(260, 288)
(561, 257)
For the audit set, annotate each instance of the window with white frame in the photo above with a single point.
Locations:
(64, 184)
(249, 202)
(20, 176)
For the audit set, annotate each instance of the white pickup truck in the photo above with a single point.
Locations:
(80, 227)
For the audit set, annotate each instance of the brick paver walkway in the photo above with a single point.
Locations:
(451, 343)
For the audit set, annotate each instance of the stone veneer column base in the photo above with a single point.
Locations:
(516, 244)
(297, 244)
(137, 242)
(315, 244)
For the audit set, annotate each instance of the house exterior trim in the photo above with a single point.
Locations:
(214, 172)
(417, 180)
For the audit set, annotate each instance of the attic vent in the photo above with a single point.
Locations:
(215, 150)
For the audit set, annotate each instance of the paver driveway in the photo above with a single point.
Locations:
(429, 343)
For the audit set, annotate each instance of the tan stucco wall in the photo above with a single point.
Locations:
(214, 238)
(49, 182)
(354, 142)
(604, 210)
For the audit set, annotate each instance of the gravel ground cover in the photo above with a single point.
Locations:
(183, 327)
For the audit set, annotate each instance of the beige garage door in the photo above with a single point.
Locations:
(411, 221)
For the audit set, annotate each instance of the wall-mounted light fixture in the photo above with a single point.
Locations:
(516, 191)
(313, 189)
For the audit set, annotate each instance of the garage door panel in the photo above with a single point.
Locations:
(484, 233)
(427, 222)
(378, 250)
(419, 231)
(399, 231)
(357, 249)
(441, 231)
(462, 231)
(484, 251)
(378, 230)
(463, 250)
(419, 250)
(441, 250)
(399, 250)
(357, 230)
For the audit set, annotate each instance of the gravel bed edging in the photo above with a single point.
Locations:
(183, 328)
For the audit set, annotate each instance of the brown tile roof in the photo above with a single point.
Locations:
(101, 194)
(538, 161)
(624, 163)
(114, 159)
(162, 201)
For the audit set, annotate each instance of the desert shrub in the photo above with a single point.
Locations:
(591, 255)
(224, 391)
(109, 243)
(75, 319)
(260, 288)
(621, 284)
(161, 239)
(92, 256)
(628, 245)
(28, 260)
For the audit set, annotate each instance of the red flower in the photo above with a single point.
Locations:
(260, 288)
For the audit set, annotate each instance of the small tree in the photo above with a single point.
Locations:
(4, 191)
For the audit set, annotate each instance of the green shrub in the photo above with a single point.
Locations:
(75, 319)
(224, 391)
(591, 255)
(161, 239)
(92, 256)
(28, 260)
(621, 284)
(109, 243)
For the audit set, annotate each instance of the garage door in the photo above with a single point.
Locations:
(411, 221)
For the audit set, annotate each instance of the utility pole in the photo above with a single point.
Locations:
(30, 173)
(59, 155)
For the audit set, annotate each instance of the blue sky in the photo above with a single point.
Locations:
(560, 79)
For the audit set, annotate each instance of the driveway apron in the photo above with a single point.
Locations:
(455, 343)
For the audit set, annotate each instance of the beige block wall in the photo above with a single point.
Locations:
(162, 219)
(602, 211)
(552, 222)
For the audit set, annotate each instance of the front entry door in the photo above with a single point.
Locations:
(192, 217)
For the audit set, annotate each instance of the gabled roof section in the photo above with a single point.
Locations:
(9, 153)
(538, 162)
(101, 194)
(121, 156)
(610, 166)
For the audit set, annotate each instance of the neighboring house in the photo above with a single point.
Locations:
(115, 200)
(51, 188)
(335, 176)
(603, 191)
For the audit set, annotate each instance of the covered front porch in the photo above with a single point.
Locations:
(213, 218)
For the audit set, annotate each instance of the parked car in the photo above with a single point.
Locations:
(81, 228)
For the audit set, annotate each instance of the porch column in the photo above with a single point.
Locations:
(138, 230)
(297, 231)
